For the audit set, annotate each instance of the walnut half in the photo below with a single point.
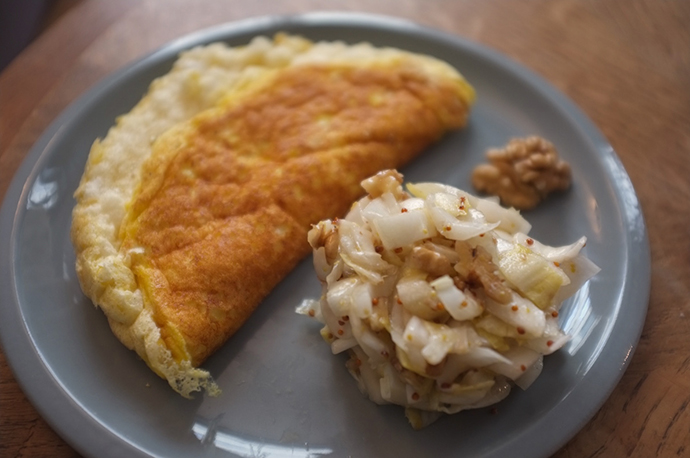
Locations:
(523, 173)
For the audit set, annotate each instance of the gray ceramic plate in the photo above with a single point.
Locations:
(284, 394)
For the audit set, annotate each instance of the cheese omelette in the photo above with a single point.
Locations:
(198, 201)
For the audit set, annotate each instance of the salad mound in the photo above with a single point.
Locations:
(441, 299)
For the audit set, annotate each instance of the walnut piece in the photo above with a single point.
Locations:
(325, 234)
(383, 182)
(523, 173)
(477, 269)
(431, 262)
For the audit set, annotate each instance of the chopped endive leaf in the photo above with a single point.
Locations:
(497, 342)
(423, 190)
(420, 418)
(450, 203)
(536, 278)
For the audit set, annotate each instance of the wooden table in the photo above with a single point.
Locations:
(625, 63)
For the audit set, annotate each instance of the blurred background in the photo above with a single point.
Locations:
(23, 20)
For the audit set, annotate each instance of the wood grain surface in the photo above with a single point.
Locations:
(626, 63)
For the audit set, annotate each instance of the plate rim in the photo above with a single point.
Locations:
(48, 395)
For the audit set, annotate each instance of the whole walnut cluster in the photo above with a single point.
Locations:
(523, 173)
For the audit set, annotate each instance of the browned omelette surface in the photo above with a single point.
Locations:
(198, 200)
(227, 198)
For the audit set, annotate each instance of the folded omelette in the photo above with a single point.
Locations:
(198, 201)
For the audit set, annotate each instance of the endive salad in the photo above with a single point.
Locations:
(441, 299)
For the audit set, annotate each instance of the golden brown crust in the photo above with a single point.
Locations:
(224, 214)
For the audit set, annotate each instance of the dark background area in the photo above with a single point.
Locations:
(23, 20)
